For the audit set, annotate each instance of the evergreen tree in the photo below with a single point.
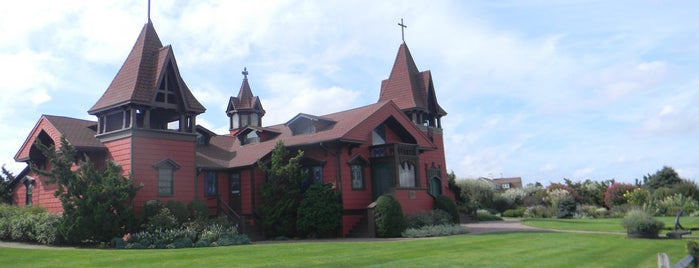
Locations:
(281, 192)
(666, 177)
(97, 205)
(5, 190)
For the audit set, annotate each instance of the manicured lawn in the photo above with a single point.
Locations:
(492, 250)
(603, 225)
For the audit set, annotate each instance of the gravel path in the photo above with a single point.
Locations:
(506, 226)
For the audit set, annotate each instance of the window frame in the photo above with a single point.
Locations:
(210, 183)
(164, 179)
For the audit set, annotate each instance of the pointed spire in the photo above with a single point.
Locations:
(402, 86)
(245, 93)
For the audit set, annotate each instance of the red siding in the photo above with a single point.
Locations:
(120, 152)
(149, 151)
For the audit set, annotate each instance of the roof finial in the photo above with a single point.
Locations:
(148, 11)
(402, 28)
(245, 73)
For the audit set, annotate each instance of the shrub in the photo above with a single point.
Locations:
(151, 208)
(514, 213)
(693, 249)
(46, 228)
(538, 212)
(614, 195)
(163, 220)
(388, 217)
(639, 223)
(198, 210)
(565, 207)
(554, 187)
(673, 204)
(476, 193)
(320, 210)
(484, 215)
(435, 230)
(179, 210)
(501, 203)
(28, 224)
(639, 197)
(446, 204)
(427, 218)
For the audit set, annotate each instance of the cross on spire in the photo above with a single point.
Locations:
(245, 73)
(149, 11)
(402, 29)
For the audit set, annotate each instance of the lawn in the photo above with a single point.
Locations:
(491, 250)
(604, 225)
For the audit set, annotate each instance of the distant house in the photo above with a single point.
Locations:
(505, 183)
(146, 122)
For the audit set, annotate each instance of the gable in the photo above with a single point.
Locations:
(79, 133)
(396, 124)
(308, 124)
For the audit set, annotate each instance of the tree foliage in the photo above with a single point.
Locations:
(320, 211)
(477, 194)
(97, 205)
(388, 217)
(614, 196)
(281, 193)
(665, 177)
(5, 190)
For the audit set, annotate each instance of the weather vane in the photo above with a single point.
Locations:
(402, 29)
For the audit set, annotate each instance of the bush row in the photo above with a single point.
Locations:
(28, 225)
(435, 230)
(183, 237)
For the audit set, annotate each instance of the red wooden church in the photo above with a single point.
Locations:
(146, 122)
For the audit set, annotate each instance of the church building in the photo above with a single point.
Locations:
(146, 123)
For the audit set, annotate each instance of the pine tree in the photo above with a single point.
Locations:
(97, 205)
(281, 192)
(5, 190)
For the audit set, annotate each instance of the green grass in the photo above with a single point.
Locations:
(492, 250)
(603, 225)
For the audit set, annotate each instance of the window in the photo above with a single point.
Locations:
(357, 176)
(210, 184)
(435, 187)
(251, 138)
(505, 186)
(378, 136)
(235, 121)
(29, 184)
(407, 175)
(255, 120)
(244, 120)
(314, 174)
(166, 174)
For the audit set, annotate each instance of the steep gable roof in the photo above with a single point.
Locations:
(137, 79)
(79, 133)
(408, 87)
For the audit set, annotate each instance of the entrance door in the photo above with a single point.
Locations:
(382, 178)
(234, 192)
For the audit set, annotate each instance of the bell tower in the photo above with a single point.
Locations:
(245, 109)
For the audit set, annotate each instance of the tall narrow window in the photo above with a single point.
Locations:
(357, 177)
(30, 190)
(211, 183)
(235, 123)
(166, 174)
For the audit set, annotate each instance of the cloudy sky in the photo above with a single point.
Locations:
(544, 90)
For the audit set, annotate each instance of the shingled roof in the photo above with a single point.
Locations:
(138, 77)
(408, 87)
(227, 152)
(245, 99)
(79, 133)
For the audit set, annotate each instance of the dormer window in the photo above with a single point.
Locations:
(309, 124)
(251, 138)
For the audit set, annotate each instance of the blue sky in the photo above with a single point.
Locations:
(544, 90)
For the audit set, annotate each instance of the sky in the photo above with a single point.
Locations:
(542, 90)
